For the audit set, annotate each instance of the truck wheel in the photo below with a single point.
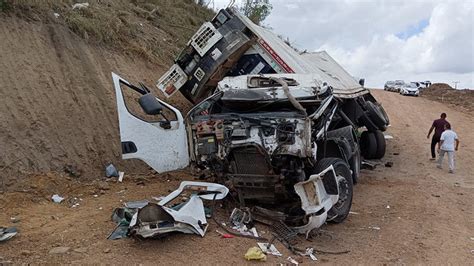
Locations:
(368, 145)
(382, 110)
(381, 144)
(376, 115)
(355, 164)
(367, 122)
(340, 210)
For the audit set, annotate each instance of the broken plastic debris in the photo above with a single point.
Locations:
(7, 233)
(269, 250)
(111, 171)
(388, 206)
(388, 137)
(355, 213)
(239, 217)
(56, 198)
(254, 232)
(374, 227)
(157, 219)
(293, 261)
(310, 253)
(121, 174)
(80, 5)
(56, 15)
(158, 198)
(255, 253)
(224, 235)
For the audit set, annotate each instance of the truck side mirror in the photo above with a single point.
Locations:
(361, 82)
(150, 104)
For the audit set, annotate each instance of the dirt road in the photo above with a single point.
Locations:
(409, 213)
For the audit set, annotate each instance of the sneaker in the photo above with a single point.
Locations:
(451, 171)
(438, 166)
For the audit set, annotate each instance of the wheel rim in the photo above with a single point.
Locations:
(343, 186)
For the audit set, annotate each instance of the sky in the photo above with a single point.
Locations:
(380, 40)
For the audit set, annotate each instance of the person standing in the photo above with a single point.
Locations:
(449, 143)
(438, 127)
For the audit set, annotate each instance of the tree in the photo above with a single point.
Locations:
(256, 10)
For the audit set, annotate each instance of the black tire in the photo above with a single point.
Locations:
(376, 115)
(381, 144)
(365, 120)
(338, 213)
(382, 110)
(368, 145)
(355, 163)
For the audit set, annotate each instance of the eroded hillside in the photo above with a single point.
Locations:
(57, 104)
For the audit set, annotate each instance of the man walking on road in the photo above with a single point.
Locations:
(447, 141)
(438, 126)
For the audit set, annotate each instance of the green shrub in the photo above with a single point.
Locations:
(4, 5)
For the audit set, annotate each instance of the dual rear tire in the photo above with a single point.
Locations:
(372, 144)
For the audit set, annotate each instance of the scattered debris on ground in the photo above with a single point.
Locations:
(7, 232)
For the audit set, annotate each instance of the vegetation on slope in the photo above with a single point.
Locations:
(154, 29)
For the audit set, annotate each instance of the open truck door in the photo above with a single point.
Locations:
(162, 144)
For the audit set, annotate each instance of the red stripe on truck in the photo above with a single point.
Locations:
(275, 56)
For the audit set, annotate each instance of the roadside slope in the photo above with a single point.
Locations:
(411, 213)
(57, 104)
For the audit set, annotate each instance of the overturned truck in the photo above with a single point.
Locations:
(282, 130)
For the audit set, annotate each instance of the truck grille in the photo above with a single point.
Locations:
(172, 80)
(205, 38)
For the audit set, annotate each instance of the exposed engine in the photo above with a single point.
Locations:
(260, 156)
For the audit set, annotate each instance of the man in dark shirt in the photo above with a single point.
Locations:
(438, 126)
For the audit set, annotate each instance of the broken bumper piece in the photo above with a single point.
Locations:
(155, 220)
(316, 201)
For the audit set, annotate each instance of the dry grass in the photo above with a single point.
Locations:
(154, 29)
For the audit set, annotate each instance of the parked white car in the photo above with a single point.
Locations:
(410, 89)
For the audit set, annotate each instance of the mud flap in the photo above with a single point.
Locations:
(163, 149)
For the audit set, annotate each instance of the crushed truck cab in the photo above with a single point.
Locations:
(280, 129)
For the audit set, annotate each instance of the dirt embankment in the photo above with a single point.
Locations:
(463, 100)
(408, 214)
(57, 103)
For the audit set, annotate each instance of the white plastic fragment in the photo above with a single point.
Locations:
(388, 206)
(80, 5)
(374, 227)
(254, 232)
(269, 250)
(310, 253)
(121, 174)
(292, 261)
(355, 213)
(388, 137)
(159, 198)
(56, 198)
(56, 15)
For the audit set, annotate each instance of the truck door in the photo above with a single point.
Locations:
(161, 144)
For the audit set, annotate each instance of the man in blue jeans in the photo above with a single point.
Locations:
(449, 143)
(438, 126)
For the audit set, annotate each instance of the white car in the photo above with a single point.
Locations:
(410, 89)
